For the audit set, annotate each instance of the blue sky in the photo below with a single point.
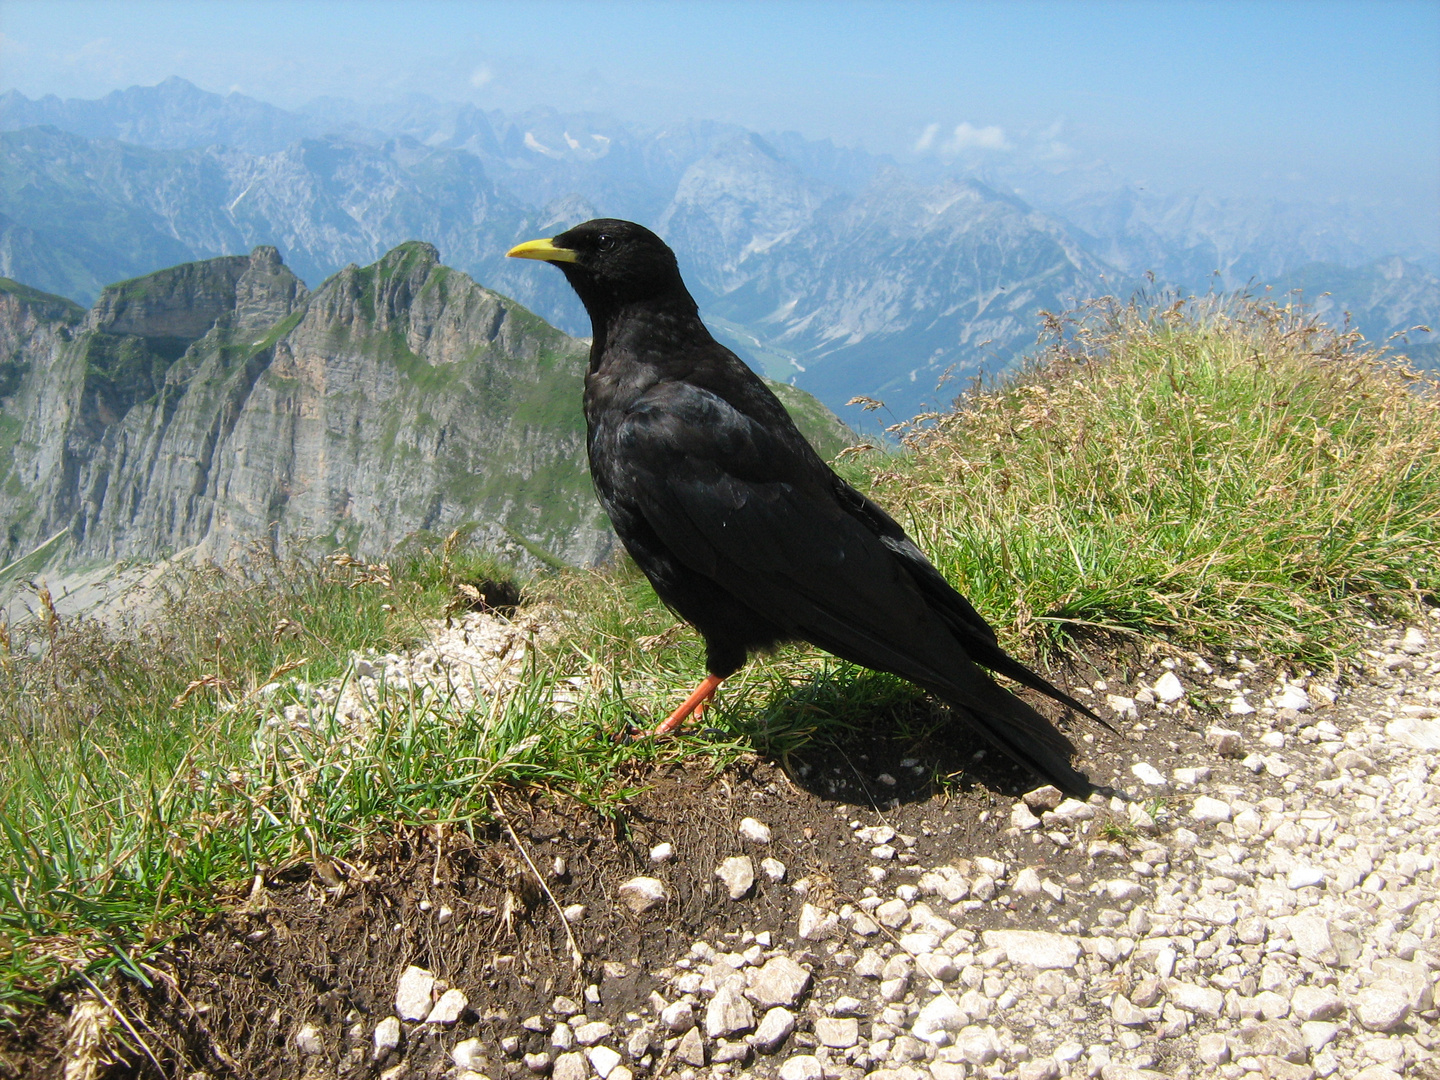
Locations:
(1325, 99)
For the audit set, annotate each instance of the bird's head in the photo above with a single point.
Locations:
(609, 263)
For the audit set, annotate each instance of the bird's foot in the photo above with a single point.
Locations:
(694, 705)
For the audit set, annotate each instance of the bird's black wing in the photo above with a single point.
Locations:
(736, 501)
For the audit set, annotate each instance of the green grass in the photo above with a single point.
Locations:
(1211, 478)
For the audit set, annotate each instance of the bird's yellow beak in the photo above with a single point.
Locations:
(544, 250)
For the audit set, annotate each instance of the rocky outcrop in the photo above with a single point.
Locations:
(217, 403)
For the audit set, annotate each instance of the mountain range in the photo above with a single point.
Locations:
(842, 272)
(217, 403)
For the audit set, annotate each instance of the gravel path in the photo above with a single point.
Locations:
(1266, 909)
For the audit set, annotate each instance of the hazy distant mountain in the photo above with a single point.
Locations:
(844, 271)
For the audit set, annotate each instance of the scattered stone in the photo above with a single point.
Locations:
(387, 1037)
(1382, 1006)
(774, 1028)
(470, 1054)
(593, 1032)
(728, 1013)
(640, 894)
(773, 869)
(1038, 948)
(603, 1060)
(1225, 742)
(308, 1040)
(817, 924)
(738, 874)
(1292, 697)
(1148, 775)
(691, 1049)
(781, 981)
(1197, 999)
(754, 831)
(662, 853)
(1043, 798)
(413, 994)
(1022, 818)
(940, 1014)
(678, 1017)
(570, 1066)
(836, 1032)
(976, 1045)
(449, 1008)
(1169, 689)
(1315, 1003)
(802, 1067)
(1209, 811)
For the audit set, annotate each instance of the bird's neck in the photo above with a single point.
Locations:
(656, 330)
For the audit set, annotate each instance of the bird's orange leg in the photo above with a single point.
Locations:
(694, 705)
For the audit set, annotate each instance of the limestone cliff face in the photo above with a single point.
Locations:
(217, 403)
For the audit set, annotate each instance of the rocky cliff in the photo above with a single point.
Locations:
(219, 402)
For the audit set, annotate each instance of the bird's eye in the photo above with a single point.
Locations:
(605, 242)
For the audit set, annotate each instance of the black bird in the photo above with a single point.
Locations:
(740, 526)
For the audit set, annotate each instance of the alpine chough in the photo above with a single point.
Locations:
(740, 526)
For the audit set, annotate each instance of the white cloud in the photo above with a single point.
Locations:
(927, 138)
(969, 137)
(481, 77)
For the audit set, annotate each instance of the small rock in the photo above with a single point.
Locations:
(570, 1066)
(308, 1040)
(1193, 775)
(603, 1060)
(1212, 1049)
(594, 1032)
(730, 1051)
(940, 1014)
(1119, 889)
(1168, 688)
(755, 831)
(1224, 742)
(537, 1063)
(1045, 1068)
(1197, 999)
(413, 993)
(817, 924)
(469, 1054)
(838, 1033)
(573, 912)
(1303, 876)
(775, 1027)
(387, 1037)
(977, 1045)
(1149, 775)
(728, 1014)
(449, 1008)
(1209, 811)
(1043, 798)
(780, 982)
(1027, 883)
(678, 1017)
(640, 894)
(738, 874)
(1022, 818)
(1382, 1006)
(773, 869)
(691, 1049)
(1292, 697)
(1316, 1003)
(802, 1067)
(1239, 707)
(1038, 948)
(662, 853)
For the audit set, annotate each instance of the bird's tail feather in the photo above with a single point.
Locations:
(1024, 735)
(996, 659)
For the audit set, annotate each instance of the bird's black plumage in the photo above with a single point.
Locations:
(740, 526)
